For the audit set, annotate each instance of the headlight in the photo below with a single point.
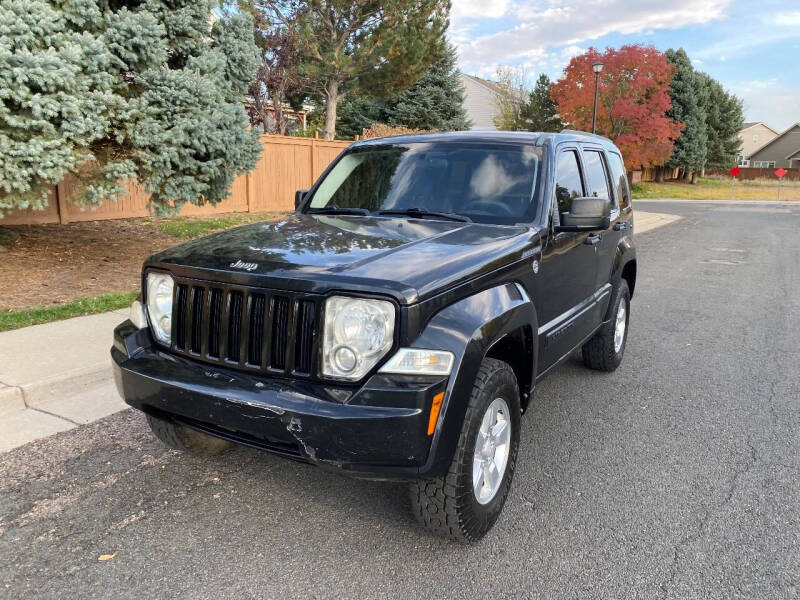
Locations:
(415, 361)
(358, 333)
(159, 305)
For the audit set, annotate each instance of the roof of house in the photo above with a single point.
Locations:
(750, 124)
(492, 85)
(775, 139)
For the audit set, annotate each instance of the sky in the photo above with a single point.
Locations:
(752, 48)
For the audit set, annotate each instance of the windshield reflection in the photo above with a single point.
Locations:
(487, 182)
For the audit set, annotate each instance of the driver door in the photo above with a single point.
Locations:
(569, 268)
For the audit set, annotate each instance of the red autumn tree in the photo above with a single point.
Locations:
(632, 102)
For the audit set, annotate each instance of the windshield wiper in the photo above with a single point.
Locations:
(332, 209)
(421, 213)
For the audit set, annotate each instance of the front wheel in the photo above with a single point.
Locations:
(465, 503)
(604, 351)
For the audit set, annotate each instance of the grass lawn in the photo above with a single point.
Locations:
(717, 189)
(189, 227)
(14, 319)
(50, 272)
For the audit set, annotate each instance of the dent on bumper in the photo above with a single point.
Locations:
(377, 430)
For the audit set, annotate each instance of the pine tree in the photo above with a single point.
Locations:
(540, 112)
(358, 46)
(688, 96)
(724, 120)
(111, 91)
(357, 113)
(435, 102)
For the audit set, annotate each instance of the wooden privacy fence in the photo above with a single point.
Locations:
(749, 173)
(287, 164)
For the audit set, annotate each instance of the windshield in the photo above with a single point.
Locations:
(485, 182)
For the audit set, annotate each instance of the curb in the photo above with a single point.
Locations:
(11, 400)
(65, 384)
(15, 399)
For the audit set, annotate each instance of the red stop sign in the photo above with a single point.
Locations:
(780, 172)
(734, 171)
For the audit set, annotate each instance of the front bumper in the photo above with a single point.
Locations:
(377, 430)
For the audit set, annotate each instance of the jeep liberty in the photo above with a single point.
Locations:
(396, 324)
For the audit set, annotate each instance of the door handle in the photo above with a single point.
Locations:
(593, 239)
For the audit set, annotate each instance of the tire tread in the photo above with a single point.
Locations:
(436, 501)
(598, 352)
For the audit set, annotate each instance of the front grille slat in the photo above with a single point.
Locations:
(290, 333)
(280, 330)
(179, 317)
(198, 301)
(246, 328)
(256, 332)
(214, 323)
(190, 329)
(304, 338)
(223, 324)
(244, 338)
(235, 326)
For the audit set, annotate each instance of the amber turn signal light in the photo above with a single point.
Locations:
(435, 408)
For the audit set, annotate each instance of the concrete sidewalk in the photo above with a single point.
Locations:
(56, 376)
(646, 221)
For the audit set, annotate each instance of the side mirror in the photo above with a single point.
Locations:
(299, 196)
(587, 214)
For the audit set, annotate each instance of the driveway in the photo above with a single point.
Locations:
(677, 476)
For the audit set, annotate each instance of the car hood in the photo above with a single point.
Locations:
(410, 259)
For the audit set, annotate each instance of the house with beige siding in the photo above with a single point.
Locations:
(754, 136)
(781, 151)
(481, 101)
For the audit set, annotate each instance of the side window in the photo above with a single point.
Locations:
(620, 180)
(596, 173)
(569, 184)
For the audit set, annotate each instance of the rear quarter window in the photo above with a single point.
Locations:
(619, 179)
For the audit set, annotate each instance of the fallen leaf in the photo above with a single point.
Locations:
(104, 557)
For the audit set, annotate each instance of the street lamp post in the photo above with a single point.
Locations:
(596, 67)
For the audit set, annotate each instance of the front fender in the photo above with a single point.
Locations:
(468, 329)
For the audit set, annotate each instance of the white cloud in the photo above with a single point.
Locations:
(769, 100)
(554, 24)
(485, 9)
(781, 28)
(784, 19)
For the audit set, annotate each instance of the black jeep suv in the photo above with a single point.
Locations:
(396, 324)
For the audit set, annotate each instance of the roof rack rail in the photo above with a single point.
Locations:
(583, 133)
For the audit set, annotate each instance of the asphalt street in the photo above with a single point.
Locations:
(678, 476)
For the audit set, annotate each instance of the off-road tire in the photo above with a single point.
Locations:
(180, 437)
(446, 506)
(599, 352)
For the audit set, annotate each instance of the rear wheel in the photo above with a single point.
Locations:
(465, 503)
(604, 351)
(186, 439)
